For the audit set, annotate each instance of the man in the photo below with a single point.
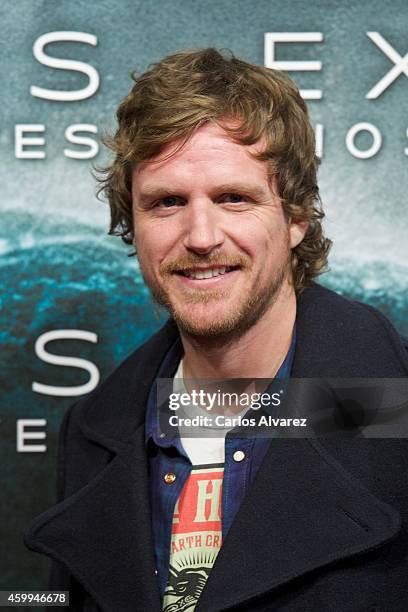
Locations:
(214, 183)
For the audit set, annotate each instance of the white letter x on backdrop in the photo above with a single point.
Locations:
(401, 65)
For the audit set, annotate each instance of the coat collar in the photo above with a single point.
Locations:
(279, 519)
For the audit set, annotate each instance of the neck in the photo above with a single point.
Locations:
(258, 353)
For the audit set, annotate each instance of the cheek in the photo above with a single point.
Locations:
(262, 238)
(153, 243)
(144, 245)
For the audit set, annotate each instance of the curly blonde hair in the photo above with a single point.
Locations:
(186, 90)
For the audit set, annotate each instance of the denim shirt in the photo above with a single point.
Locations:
(166, 454)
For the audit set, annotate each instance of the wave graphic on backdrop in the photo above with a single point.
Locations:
(59, 275)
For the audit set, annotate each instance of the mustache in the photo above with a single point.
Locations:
(192, 260)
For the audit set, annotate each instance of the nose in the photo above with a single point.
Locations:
(202, 232)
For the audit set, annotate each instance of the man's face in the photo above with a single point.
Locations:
(211, 236)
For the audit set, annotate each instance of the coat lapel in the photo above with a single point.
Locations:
(303, 512)
(102, 534)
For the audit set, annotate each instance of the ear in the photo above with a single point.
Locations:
(297, 232)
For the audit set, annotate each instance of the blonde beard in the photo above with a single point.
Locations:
(234, 324)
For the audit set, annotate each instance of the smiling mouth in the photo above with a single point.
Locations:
(205, 273)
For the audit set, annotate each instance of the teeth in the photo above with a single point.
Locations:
(202, 274)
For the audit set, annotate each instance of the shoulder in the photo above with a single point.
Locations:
(355, 338)
(328, 305)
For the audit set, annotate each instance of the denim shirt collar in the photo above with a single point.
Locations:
(168, 369)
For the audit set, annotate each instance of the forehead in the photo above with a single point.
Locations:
(209, 151)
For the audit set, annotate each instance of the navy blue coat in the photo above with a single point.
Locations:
(322, 529)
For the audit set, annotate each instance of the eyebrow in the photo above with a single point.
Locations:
(153, 192)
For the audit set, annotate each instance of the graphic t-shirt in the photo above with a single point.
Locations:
(196, 535)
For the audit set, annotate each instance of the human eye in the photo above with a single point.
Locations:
(235, 199)
(168, 202)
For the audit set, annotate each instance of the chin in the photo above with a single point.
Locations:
(211, 324)
(201, 322)
(203, 329)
